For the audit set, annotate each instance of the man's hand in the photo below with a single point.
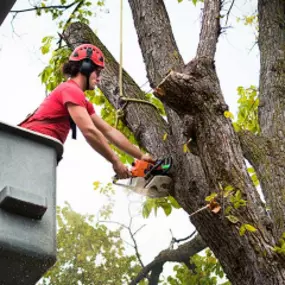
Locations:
(121, 170)
(147, 157)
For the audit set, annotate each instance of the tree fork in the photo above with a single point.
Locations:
(191, 190)
(219, 150)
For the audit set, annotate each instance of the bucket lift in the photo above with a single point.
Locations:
(28, 162)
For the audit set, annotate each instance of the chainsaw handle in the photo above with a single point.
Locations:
(156, 165)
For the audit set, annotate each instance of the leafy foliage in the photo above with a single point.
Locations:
(207, 271)
(52, 75)
(153, 204)
(237, 200)
(251, 20)
(79, 10)
(280, 248)
(193, 1)
(247, 118)
(87, 252)
(253, 176)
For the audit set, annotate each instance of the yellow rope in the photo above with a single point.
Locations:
(120, 112)
(121, 50)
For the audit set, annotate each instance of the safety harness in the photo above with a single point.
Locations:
(50, 121)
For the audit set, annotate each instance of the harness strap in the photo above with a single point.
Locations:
(50, 121)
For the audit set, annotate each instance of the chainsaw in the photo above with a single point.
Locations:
(149, 179)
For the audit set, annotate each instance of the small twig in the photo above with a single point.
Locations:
(136, 248)
(114, 222)
(199, 210)
(229, 11)
(34, 8)
(139, 229)
(186, 238)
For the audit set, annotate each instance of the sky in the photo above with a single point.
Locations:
(237, 62)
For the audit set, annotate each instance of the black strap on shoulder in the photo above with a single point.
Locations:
(73, 128)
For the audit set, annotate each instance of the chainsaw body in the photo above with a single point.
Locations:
(150, 179)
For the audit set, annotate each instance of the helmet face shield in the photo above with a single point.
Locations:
(88, 51)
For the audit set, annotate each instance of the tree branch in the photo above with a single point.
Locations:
(143, 120)
(182, 92)
(159, 50)
(175, 240)
(35, 8)
(229, 11)
(210, 29)
(155, 273)
(161, 55)
(156, 39)
(181, 254)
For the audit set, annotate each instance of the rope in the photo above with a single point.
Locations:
(121, 50)
(120, 112)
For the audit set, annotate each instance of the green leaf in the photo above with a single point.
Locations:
(228, 114)
(228, 210)
(211, 197)
(238, 195)
(232, 219)
(173, 202)
(185, 148)
(242, 230)
(250, 228)
(229, 188)
(96, 185)
(246, 227)
(167, 209)
(148, 205)
(250, 170)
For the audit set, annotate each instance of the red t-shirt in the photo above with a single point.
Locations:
(54, 107)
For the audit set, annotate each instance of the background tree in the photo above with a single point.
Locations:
(90, 253)
(246, 237)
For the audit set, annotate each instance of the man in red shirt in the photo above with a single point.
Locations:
(67, 103)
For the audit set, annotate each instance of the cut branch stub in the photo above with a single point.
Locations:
(181, 92)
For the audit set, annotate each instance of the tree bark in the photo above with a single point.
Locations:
(199, 95)
(271, 16)
(267, 158)
(193, 91)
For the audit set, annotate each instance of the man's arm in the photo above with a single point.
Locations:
(117, 138)
(95, 138)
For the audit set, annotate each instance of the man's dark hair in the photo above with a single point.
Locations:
(71, 68)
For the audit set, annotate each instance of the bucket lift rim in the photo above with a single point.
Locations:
(47, 140)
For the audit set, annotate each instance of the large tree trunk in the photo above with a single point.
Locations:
(195, 109)
(272, 106)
